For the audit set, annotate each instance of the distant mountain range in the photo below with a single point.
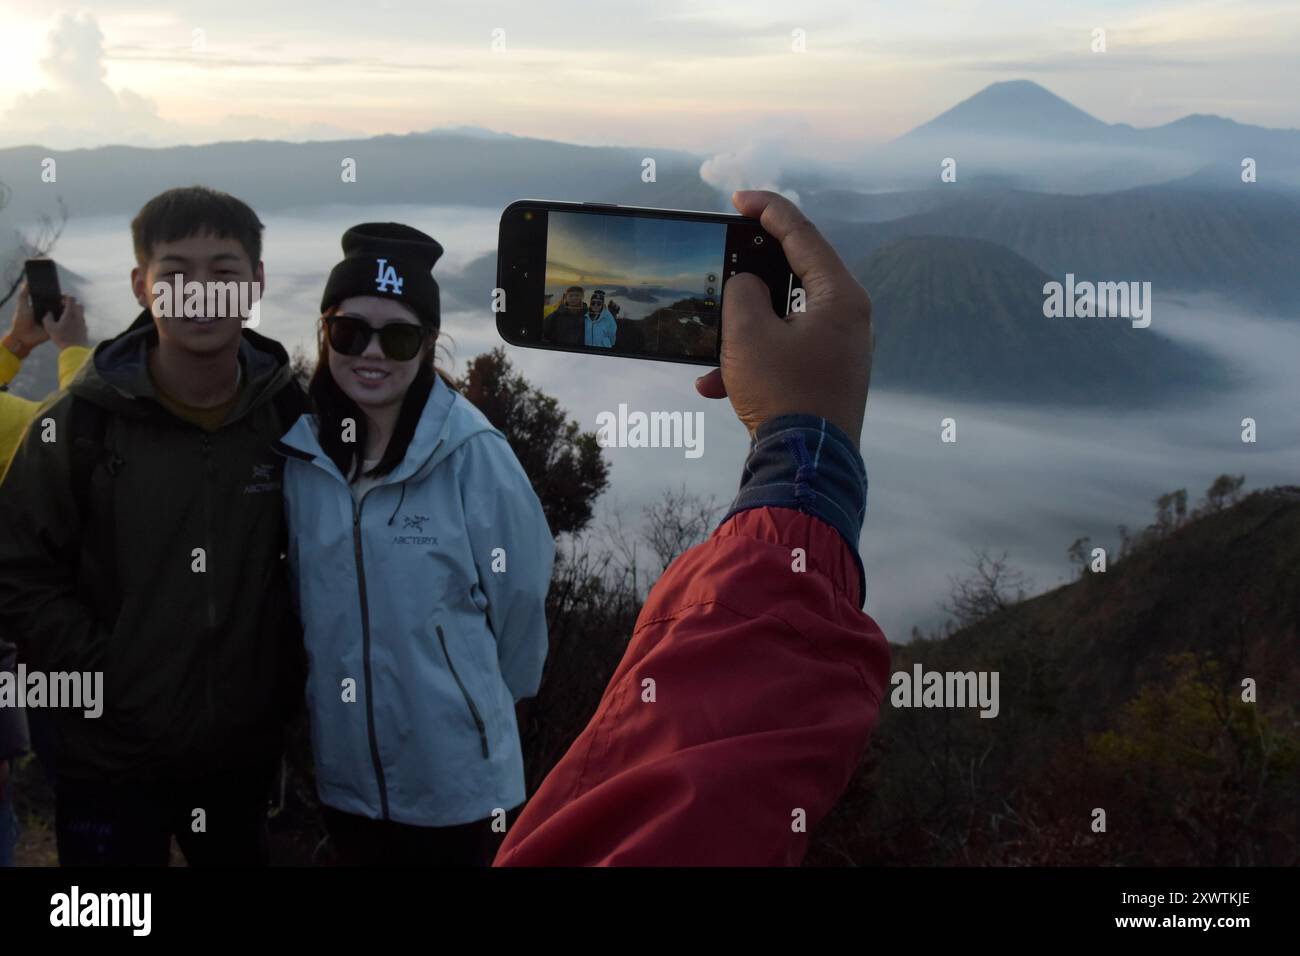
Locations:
(1242, 243)
(1019, 134)
(1183, 219)
(435, 168)
(1020, 109)
(1012, 134)
(964, 317)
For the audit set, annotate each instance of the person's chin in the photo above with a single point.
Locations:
(213, 336)
(368, 399)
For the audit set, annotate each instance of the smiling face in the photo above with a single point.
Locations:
(202, 259)
(597, 302)
(573, 299)
(373, 380)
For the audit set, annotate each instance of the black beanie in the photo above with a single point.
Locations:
(389, 260)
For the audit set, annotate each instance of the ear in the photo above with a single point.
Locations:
(140, 286)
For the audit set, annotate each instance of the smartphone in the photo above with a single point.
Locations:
(43, 287)
(628, 280)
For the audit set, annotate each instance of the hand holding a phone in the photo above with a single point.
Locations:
(26, 332)
(818, 362)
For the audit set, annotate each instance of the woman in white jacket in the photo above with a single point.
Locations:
(421, 560)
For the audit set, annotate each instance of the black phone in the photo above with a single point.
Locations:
(43, 288)
(629, 281)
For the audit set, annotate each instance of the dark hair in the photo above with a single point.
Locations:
(332, 405)
(195, 211)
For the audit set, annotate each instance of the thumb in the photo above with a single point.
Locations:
(710, 384)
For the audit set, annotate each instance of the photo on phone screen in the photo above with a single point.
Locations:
(629, 282)
(638, 285)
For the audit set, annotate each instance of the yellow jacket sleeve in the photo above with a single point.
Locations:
(9, 365)
(70, 361)
(17, 412)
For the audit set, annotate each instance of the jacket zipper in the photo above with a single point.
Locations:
(365, 638)
(365, 659)
(473, 709)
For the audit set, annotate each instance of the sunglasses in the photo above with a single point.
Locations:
(350, 334)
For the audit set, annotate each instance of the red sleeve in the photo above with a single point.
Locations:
(767, 681)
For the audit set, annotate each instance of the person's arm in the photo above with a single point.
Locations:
(746, 697)
(748, 692)
(609, 329)
(25, 334)
(513, 553)
(40, 528)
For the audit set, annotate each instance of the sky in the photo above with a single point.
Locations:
(705, 77)
(592, 249)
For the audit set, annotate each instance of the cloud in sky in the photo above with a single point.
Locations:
(77, 107)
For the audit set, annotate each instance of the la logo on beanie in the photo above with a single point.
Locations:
(388, 260)
(387, 279)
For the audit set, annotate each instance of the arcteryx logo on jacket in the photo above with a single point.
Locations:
(263, 479)
(414, 523)
(418, 649)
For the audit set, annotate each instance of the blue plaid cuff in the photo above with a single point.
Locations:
(805, 463)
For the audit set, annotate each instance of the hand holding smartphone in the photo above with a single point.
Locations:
(628, 281)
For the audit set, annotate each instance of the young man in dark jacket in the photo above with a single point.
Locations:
(143, 538)
(563, 324)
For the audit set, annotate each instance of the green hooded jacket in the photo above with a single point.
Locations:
(169, 576)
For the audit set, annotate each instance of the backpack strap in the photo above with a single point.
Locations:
(88, 428)
(88, 425)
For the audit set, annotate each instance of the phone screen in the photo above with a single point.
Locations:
(43, 287)
(644, 284)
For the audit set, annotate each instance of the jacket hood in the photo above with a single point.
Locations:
(447, 422)
(117, 373)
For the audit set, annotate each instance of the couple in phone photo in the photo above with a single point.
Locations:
(572, 322)
(214, 539)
